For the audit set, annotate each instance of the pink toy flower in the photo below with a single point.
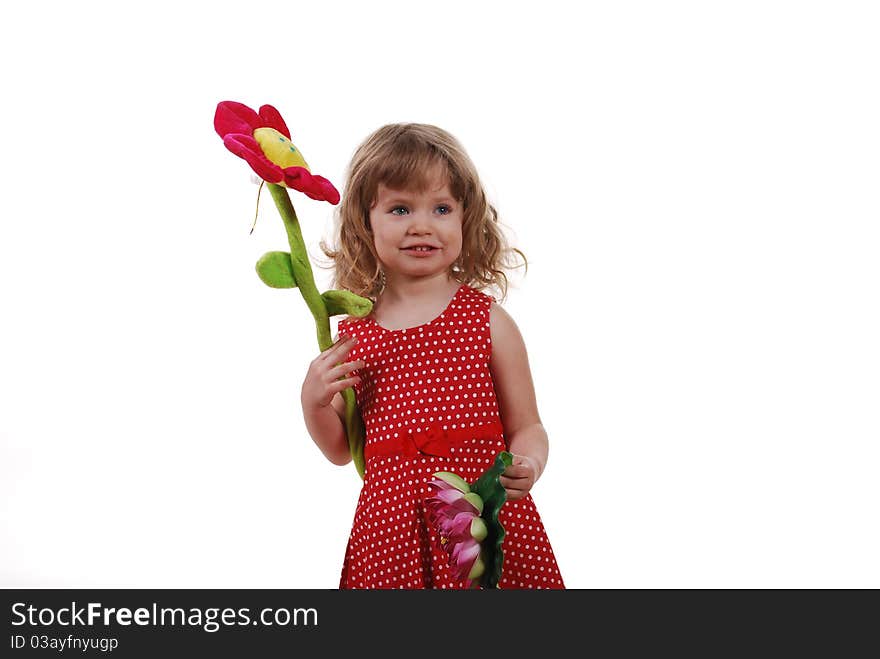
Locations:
(263, 140)
(455, 511)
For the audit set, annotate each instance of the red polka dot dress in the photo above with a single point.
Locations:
(428, 403)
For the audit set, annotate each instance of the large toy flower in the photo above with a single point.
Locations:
(466, 519)
(263, 140)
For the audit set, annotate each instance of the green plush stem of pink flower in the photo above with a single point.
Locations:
(305, 282)
(493, 494)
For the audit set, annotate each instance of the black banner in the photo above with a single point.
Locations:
(251, 623)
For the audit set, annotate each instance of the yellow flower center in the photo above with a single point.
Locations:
(279, 149)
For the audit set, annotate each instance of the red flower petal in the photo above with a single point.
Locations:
(245, 146)
(316, 187)
(271, 118)
(330, 192)
(233, 117)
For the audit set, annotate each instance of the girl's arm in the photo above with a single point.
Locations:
(526, 437)
(322, 404)
(326, 426)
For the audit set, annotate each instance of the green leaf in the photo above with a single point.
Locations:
(275, 270)
(345, 302)
(494, 496)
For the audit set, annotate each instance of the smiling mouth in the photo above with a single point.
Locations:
(420, 248)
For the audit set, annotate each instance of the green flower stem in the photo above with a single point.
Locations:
(493, 494)
(305, 282)
(354, 430)
(302, 268)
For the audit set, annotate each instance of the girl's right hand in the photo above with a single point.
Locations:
(322, 379)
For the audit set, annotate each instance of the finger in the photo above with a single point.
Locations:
(338, 350)
(525, 460)
(344, 369)
(518, 472)
(329, 352)
(344, 349)
(341, 385)
(514, 482)
(516, 495)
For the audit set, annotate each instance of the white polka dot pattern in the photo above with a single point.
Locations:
(435, 375)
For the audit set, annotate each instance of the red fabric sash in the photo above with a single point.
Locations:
(433, 440)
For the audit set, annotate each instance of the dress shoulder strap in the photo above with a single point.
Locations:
(349, 324)
(474, 307)
(477, 299)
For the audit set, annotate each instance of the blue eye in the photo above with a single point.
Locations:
(444, 210)
(398, 208)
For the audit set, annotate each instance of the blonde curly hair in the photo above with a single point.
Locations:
(407, 156)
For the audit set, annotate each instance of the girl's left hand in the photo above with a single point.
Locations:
(520, 477)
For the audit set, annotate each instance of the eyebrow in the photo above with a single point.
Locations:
(405, 200)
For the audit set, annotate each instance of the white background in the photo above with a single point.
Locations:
(695, 185)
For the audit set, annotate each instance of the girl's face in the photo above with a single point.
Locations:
(417, 234)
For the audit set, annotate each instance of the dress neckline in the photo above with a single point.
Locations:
(372, 317)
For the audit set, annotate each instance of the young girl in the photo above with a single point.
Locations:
(439, 370)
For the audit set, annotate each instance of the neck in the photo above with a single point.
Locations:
(407, 289)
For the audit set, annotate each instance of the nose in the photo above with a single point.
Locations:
(420, 224)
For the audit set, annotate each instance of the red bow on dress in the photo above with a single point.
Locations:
(432, 440)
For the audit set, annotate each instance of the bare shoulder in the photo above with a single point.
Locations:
(508, 355)
(511, 374)
(503, 330)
